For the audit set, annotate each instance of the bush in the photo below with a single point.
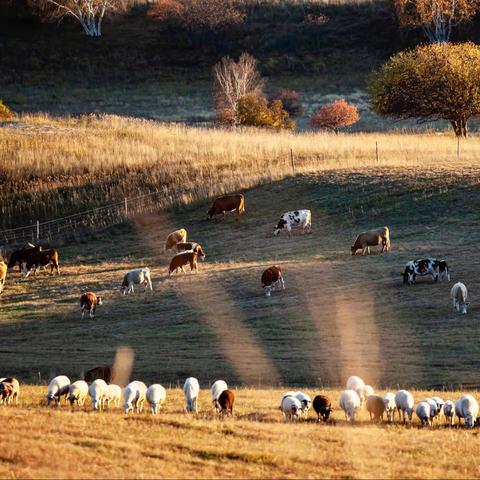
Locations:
(255, 111)
(431, 82)
(5, 112)
(338, 114)
(290, 100)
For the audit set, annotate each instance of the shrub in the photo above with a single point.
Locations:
(338, 114)
(431, 82)
(5, 112)
(255, 111)
(290, 100)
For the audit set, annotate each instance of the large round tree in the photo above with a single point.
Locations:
(431, 82)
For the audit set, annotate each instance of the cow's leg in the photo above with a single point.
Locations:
(368, 249)
(282, 282)
(83, 313)
(130, 287)
(289, 231)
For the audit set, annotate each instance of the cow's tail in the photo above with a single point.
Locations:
(241, 208)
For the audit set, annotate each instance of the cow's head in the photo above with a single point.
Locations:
(198, 250)
(353, 249)
(279, 226)
(409, 275)
(99, 301)
(26, 272)
(268, 289)
(211, 213)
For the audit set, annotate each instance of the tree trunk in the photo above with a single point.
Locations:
(460, 127)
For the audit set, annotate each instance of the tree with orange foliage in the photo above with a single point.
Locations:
(339, 114)
(436, 17)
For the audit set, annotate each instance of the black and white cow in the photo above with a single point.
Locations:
(427, 266)
(297, 218)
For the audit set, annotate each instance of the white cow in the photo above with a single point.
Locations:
(459, 298)
(191, 390)
(296, 218)
(137, 276)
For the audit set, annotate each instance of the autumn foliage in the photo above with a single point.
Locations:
(290, 100)
(432, 82)
(255, 111)
(338, 114)
(5, 112)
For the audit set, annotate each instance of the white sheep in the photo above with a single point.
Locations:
(191, 390)
(404, 402)
(467, 408)
(459, 294)
(77, 392)
(349, 403)
(449, 411)
(423, 412)
(368, 390)
(113, 395)
(156, 396)
(291, 407)
(440, 405)
(217, 388)
(305, 401)
(434, 409)
(58, 387)
(135, 396)
(98, 391)
(389, 400)
(137, 276)
(357, 384)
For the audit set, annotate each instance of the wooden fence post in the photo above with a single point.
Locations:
(38, 230)
(458, 147)
(376, 150)
(126, 207)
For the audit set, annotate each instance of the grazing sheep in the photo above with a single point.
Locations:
(372, 238)
(191, 390)
(156, 396)
(434, 410)
(459, 298)
(375, 407)
(217, 388)
(423, 413)
(226, 401)
(389, 400)
(306, 402)
(440, 405)
(98, 391)
(178, 236)
(137, 276)
(404, 403)
(449, 412)
(367, 391)
(9, 390)
(77, 392)
(58, 387)
(113, 395)
(357, 384)
(467, 408)
(135, 393)
(323, 407)
(349, 403)
(291, 407)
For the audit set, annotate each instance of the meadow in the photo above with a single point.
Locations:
(255, 443)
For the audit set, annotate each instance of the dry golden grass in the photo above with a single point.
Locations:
(56, 166)
(42, 442)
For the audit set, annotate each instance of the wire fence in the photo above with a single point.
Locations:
(78, 224)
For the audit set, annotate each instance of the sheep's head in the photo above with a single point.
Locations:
(469, 421)
(123, 290)
(268, 290)
(463, 308)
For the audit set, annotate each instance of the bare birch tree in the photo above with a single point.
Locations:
(89, 13)
(232, 81)
(437, 18)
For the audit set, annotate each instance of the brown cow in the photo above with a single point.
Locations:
(20, 256)
(225, 402)
(89, 301)
(227, 203)
(372, 238)
(175, 237)
(3, 274)
(376, 407)
(323, 407)
(180, 260)
(189, 247)
(271, 277)
(103, 372)
(9, 390)
(41, 259)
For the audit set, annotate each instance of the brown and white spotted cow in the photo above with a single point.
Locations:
(89, 301)
(191, 247)
(427, 266)
(271, 277)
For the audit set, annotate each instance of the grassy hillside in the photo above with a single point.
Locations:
(255, 443)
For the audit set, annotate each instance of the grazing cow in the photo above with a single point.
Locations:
(272, 277)
(41, 259)
(323, 407)
(459, 298)
(227, 203)
(137, 276)
(225, 402)
(20, 256)
(191, 247)
(178, 236)
(89, 301)
(3, 274)
(103, 372)
(9, 390)
(427, 266)
(180, 260)
(297, 218)
(372, 238)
